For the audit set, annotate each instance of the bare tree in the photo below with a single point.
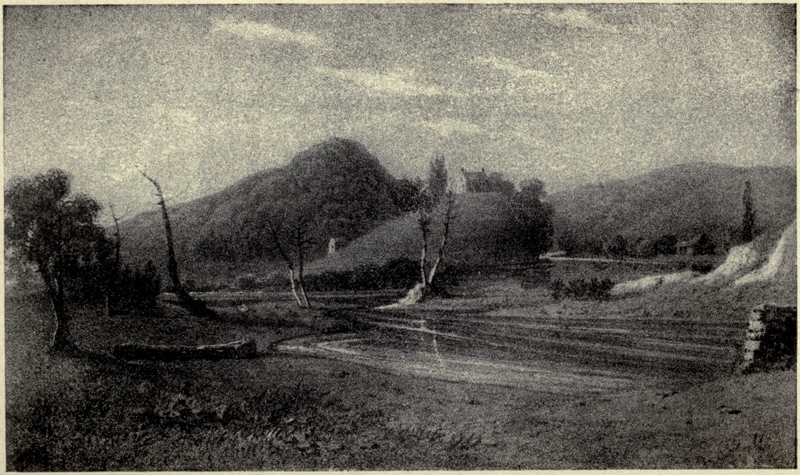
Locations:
(291, 235)
(276, 228)
(117, 243)
(172, 263)
(449, 216)
(116, 264)
(425, 207)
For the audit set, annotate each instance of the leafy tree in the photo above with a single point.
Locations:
(405, 194)
(530, 219)
(749, 218)
(665, 245)
(704, 245)
(426, 208)
(57, 232)
(618, 247)
(437, 180)
(428, 198)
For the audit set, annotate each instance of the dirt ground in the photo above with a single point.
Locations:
(675, 401)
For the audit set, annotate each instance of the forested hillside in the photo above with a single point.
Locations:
(334, 189)
(684, 200)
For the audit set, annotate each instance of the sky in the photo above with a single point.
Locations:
(201, 96)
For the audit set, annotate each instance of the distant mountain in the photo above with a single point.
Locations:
(683, 200)
(338, 184)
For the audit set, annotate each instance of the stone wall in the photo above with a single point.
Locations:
(771, 339)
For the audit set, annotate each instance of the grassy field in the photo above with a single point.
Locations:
(642, 382)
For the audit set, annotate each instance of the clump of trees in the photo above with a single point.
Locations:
(529, 219)
(618, 247)
(58, 232)
(134, 288)
(574, 243)
(665, 245)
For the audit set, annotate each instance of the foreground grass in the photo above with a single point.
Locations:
(297, 413)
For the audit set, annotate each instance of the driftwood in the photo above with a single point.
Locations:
(232, 350)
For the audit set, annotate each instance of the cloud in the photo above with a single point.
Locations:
(510, 67)
(264, 31)
(575, 18)
(393, 82)
(447, 126)
(533, 80)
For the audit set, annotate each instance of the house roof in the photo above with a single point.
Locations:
(474, 175)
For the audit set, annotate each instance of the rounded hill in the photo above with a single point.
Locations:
(336, 186)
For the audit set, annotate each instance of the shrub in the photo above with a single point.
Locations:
(397, 273)
(135, 289)
(582, 289)
(558, 288)
(247, 282)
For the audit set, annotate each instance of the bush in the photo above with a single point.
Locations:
(135, 289)
(397, 273)
(582, 289)
(247, 282)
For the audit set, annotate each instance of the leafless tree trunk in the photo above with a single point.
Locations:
(117, 243)
(424, 227)
(117, 260)
(62, 339)
(274, 230)
(301, 241)
(184, 298)
(292, 282)
(448, 217)
(172, 263)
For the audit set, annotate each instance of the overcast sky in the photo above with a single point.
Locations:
(202, 96)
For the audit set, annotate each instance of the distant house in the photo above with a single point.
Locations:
(686, 248)
(481, 182)
(698, 245)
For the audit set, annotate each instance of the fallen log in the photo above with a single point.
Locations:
(233, 350)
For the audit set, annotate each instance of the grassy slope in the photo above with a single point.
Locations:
(473, 237)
